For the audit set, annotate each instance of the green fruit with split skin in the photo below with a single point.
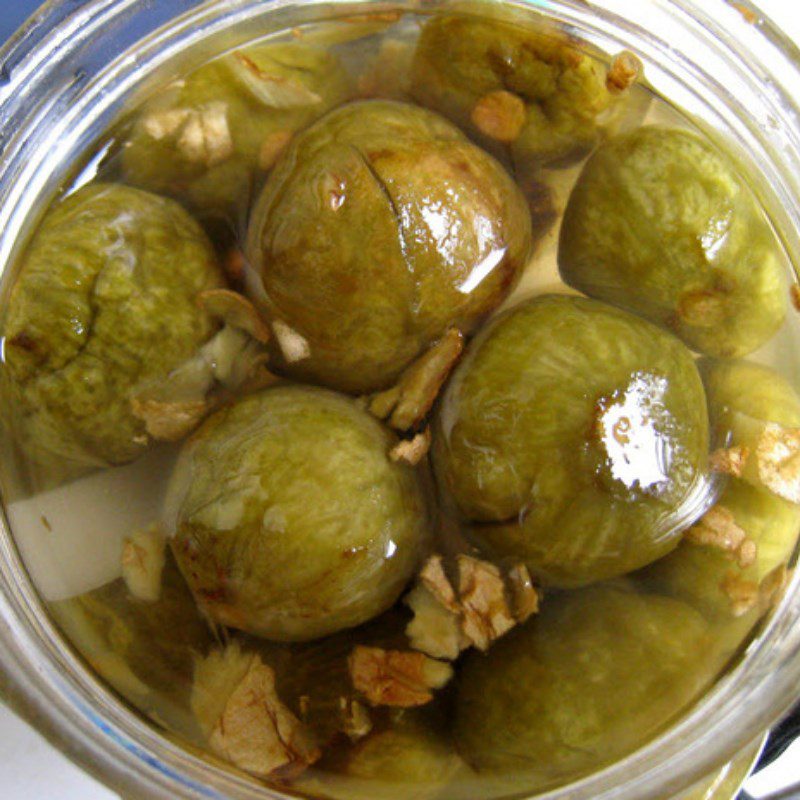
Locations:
(206, 139)
(290, 520)
(597, 674)
(661, 223)
(104, 306)
(380, 228)
(574, 436)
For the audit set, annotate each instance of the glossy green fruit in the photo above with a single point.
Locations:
(105, 305)
(460, 59)
(205, 139)
(661, 224)
(574, 436)
(381, 227)
(597, 674)
(290, 520)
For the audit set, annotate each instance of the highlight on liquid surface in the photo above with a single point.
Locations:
(400, 407)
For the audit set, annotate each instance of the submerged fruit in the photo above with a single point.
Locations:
(661, 224)
(596, 675)
(290, 520)
(206, 138)
(380, 228)
(573, 436)
(507, 82)
(105, 305)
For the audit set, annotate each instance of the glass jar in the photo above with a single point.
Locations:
(67, 75)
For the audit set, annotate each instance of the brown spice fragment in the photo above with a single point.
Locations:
(794, 295)
(729, 460)
(749, 15)
(235, 310)
(483, 601)
(500, 115)
(418, 387)
(233, 265)
(256, 731)
(624, 71)
(743, 594)
(402, 679)
(412, 451)
(778, 461)
(272, 147)
(772, 585)
(169, 421)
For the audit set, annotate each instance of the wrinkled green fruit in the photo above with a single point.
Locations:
(597, 674)
(381, 227)
(206, 138)
(145, 650)
(290, 520)
(661, 224)
(460, 59)
(105, 305)
(574, 436)
(713, 580)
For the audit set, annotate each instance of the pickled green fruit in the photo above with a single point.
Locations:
(145, 650)
(561, 98)
(290, 520)
(661, 224)
(380, 228)
(573, 436)
(717, 581)
(206, 138)
(411, 750)
(105, 305)
(597, 674)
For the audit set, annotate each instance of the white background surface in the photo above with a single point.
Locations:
(32, 770)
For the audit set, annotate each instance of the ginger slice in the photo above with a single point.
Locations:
(717, 528)
(412, 451)
(246, 723)
(486, 606)
(412, 398)
(293, 345)
(235, 310)
(402, 679)
(500, 115)
(777, 459)
(169, 421)
(143, 559)
(274, 91)
(729, 460)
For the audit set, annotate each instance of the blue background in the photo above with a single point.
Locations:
(13, 14)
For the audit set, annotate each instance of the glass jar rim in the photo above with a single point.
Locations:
(70, 705)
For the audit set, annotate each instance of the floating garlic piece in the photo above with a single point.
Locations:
(434, 630)
(412, 451)
(293, 345)
(169, 421)
(525, 598)
(143, 558)
(718, 528)
(235, 310)
(743, 594)
(397, 678)
(205, 137)
(412, 398)
(729, 461)
(778, 461)
(500, 115)
(246, 723)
